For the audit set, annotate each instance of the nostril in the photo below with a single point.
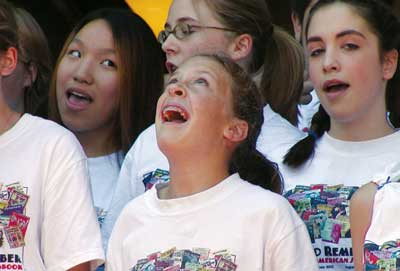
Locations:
(178, 92)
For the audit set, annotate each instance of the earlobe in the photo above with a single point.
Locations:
(8, 61)
(390, 62)
(241, 47)
(237, 131)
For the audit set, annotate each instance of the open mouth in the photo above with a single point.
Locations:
(335, 86)
(170, 67)
(174, 114)
(77, 97)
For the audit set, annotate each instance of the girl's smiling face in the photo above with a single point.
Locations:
(87, 80)
(346, 65)
(195, 107)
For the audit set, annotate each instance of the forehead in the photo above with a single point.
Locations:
(96, 32)
(186, 10)
(340, 16)
(199, 64)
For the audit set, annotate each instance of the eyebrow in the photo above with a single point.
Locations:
(339, 35)
(101, 50)
(180, 20)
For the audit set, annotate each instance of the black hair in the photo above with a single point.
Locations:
(140, 75)
(251, 165)
(386, 26)
(299, 7)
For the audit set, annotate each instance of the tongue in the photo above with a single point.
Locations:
(338, 88)
(78, 100)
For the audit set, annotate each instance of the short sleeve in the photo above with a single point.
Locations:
(70, 231)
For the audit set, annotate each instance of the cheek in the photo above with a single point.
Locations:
(108, 87)
(314, 72)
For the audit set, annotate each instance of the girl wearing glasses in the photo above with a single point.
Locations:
(104, 89)
(243, 31)
(213, 214)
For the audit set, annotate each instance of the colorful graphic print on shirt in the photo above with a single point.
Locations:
(156, 176)
(13, 225)
(197, 259)
(382, 258)
(325, 211)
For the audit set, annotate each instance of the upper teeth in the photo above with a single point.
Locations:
(173, 108)
(79, 94)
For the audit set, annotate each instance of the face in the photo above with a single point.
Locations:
(87, 80)
(196, 106)
(345, 64)
(201, 41)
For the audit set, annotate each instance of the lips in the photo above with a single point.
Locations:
(78, 99)
(335, 86)
(174, 114)
(171, 67)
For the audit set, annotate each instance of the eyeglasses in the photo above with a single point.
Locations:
(183, 30)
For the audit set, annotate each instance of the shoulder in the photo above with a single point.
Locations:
(364, 196)
(277, 136)
(265, 201)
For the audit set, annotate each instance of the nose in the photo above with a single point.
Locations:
(330, 61)
(170, 46)
(177, 91)
(83, 73)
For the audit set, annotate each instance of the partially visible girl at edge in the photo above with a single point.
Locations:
(104, 89)
(375, 227)
(47, 217)
(27, 86)
(213, 213)
(354, 67)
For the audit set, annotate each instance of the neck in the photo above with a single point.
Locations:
(361, 130)
(95, 143)
(191, 177)
(8, 118)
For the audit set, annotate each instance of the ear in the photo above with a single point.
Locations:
(390, 60)
(236, 131)
(296, 26)
(30, 75)
(8, 61)
(241, 47)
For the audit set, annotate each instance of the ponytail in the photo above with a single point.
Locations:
(282, 78)
(304, 149)
(253, 167)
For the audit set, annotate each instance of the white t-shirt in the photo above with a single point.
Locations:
(335, 162)
(307, 112)
(103, 172)
(51, 203)
(144, 162)
(381, 240)
(257, 228)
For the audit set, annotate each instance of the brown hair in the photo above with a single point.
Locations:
(140, 78)
(33, 49)
(274, 51)
(8, 26)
